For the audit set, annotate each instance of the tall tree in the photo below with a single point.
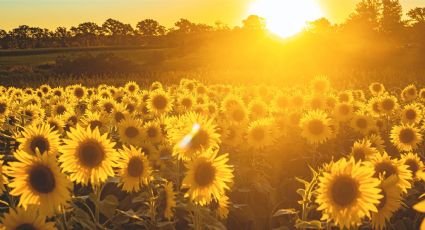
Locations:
(114, 27)
(391, 16)
(366, 16)
(150, 27)
(184, 26)
(417, 15)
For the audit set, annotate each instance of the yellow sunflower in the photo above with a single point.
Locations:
(316, 126)
(320, 84)
(388, 104)
(94, 120)
(388, 204)
(347, 193)
(130, 131)
(362, 123)
(192, 135)
(20, 219)
(343, 112)
(406, 137)
(384, 167)
(414, 164)
(133, 169)
(131, 87)
(39, 137)
(87, 156)
(409, 93)
(4, 107)
(208, 177)
(411, 114)
(3, 178)
(38, 181)
(363, 150)
(159, 102)
(377, 142)
(376, 88)
(222, 207)
(152, 132)
(260, 134)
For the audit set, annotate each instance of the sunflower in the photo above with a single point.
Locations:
(362, 123)
(208, 177)
(169, 198)
(347, 193)
(376, 88)
(185, 102)
(414, 164)
(411, 114)
(388, 204)
(388, 104)
(343, 111)
(420, 207)
(131, 87)
(345, 96)
(159, 102)
(79, 92)
(193, 134)
(363, 150)
(57, 123)
(88, 156)
(133, 169)
(237, 114)
(385, 167)
(409, 93)
(20, 219)
(257, 109)
(95, 120)
(233, 135)
(31, 113)
(38, 181)
(405, 137)
(130, 131)
(374, 106)
(39, 137)
(315, 126)
(320, 84)
(152, 132)
(119, 113)
(4, 107)
(316, 102)
(281, 102)
(260, 134)
(376, 142)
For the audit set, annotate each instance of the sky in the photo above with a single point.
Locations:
(53, 13)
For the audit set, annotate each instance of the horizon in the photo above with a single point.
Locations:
(164, 11)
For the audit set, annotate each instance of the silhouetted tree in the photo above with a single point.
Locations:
(88, 32)
(366, 16)
(320, 25)
(254, 22)
(391, 16)
(117, 30)
(61, 35)
(150, 27)
(417, 15)
(184, 26)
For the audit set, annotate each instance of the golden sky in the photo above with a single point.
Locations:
(53, 13)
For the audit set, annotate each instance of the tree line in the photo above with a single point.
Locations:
(371, 17)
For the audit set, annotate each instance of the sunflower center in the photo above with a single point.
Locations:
(91, 154)
(3, 107)
(160, 102)
(186, 102)
(359, 154)
(316, 127)
(344, 190)
(199, 139)
(344, 97)
(40, 143)
(119, 116)
(411, 114)
(79, 92)
(344, 109)
(108, 107)
(361, 123)
(406, 136)
(238, 115)
(385, 168)
(42, 179)
(152, 132)
(131, 88)
(95, 124)
(26, 227)
(382, 201)
(413, 165)
(411, 91)
(258, 133)
(204, 174)
(130, 108)
(60, 109)
(135, 167)
(388, 104)
(376, 88)
(131, 132)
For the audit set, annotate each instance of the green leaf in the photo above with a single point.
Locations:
(282, 212)
(315, 224)
(108, 205)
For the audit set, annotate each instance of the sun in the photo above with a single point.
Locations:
(286, 17)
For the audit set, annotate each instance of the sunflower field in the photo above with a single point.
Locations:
(193, 155)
